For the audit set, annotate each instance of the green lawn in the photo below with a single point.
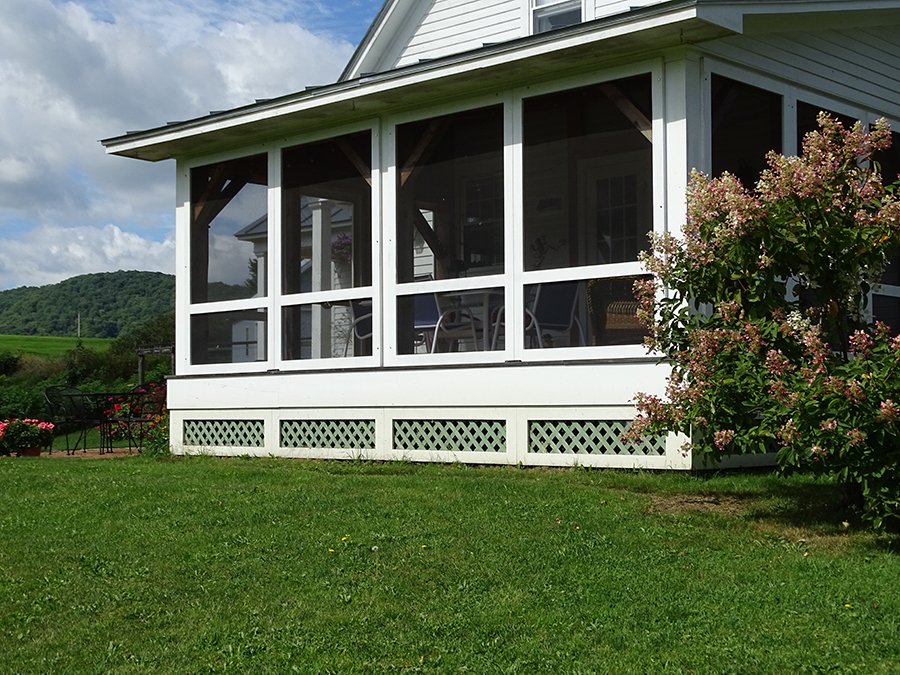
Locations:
(40, 345)
(275, 566)
(91, 439)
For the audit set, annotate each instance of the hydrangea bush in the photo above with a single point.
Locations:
(761, 310)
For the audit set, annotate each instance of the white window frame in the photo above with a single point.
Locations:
(275, 300)
(532, 7)
(185, 310)
(394, 290)
(385, 290)
(343, 294)
(515, 314)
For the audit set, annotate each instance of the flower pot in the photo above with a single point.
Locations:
(29, 452)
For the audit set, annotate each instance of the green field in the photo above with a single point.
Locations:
(206, 565)
(54, 347)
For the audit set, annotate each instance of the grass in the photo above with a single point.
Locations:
(274, 566)
(55, 347)
(91, 439)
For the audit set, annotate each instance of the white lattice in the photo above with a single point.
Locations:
(334, 434)
(450, 435)
(225, 433)
(588, 437)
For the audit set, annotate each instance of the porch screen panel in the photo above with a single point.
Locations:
(450, 196)
(327, 214)
(229, 232)
(580, 313)
(886, 297)
(587, 175)
(451, 321)
(746, 124)
(327, 330)
(229, 337)
(807, 115)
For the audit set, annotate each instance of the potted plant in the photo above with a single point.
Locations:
(342, 249)
(25, 437)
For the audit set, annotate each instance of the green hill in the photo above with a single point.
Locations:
(108, 303)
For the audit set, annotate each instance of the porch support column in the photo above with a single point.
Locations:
(321, 276)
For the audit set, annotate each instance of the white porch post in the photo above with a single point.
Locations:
(321, 276)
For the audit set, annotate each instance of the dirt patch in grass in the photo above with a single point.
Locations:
(791, 529)
(674, 504)
(91, 453)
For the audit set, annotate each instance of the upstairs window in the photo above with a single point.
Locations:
(547, 15)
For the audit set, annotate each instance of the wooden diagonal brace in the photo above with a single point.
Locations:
(629, 109)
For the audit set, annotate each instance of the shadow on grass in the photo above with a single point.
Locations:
(820, 506)
(812, 505)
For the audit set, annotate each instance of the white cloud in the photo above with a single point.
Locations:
(49, 254)
(75, 72)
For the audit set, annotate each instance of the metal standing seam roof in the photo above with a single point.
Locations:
(369, 80)
(698, 20)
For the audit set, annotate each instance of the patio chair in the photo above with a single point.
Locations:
(454, 323)
(426, 314)
(361, 324)
(71, 410)
(552, 312)
(431, 321)
(137, 409)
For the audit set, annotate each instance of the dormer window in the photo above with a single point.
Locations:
(549, 15)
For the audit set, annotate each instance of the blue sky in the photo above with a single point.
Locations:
(72, 73)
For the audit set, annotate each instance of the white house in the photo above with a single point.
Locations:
(449, 234)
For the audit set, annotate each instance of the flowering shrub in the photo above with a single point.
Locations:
(134, 415)
(24, 433)
(156, 443)
(763, 317)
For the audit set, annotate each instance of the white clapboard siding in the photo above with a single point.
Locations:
(859, 65)
(423, 258)
(453, 26)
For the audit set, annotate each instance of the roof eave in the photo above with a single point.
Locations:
(368, 95)
(369, 38)
(186, 138)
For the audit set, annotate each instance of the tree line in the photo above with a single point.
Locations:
(108, 304)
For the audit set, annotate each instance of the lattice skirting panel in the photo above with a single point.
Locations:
(335, 434)
(450, 435)
(524, 436)
(588, 437)
(225, 433)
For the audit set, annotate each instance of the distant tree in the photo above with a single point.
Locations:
(107, 304)
(252, 281)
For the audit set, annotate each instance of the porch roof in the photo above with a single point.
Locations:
(486, 70)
